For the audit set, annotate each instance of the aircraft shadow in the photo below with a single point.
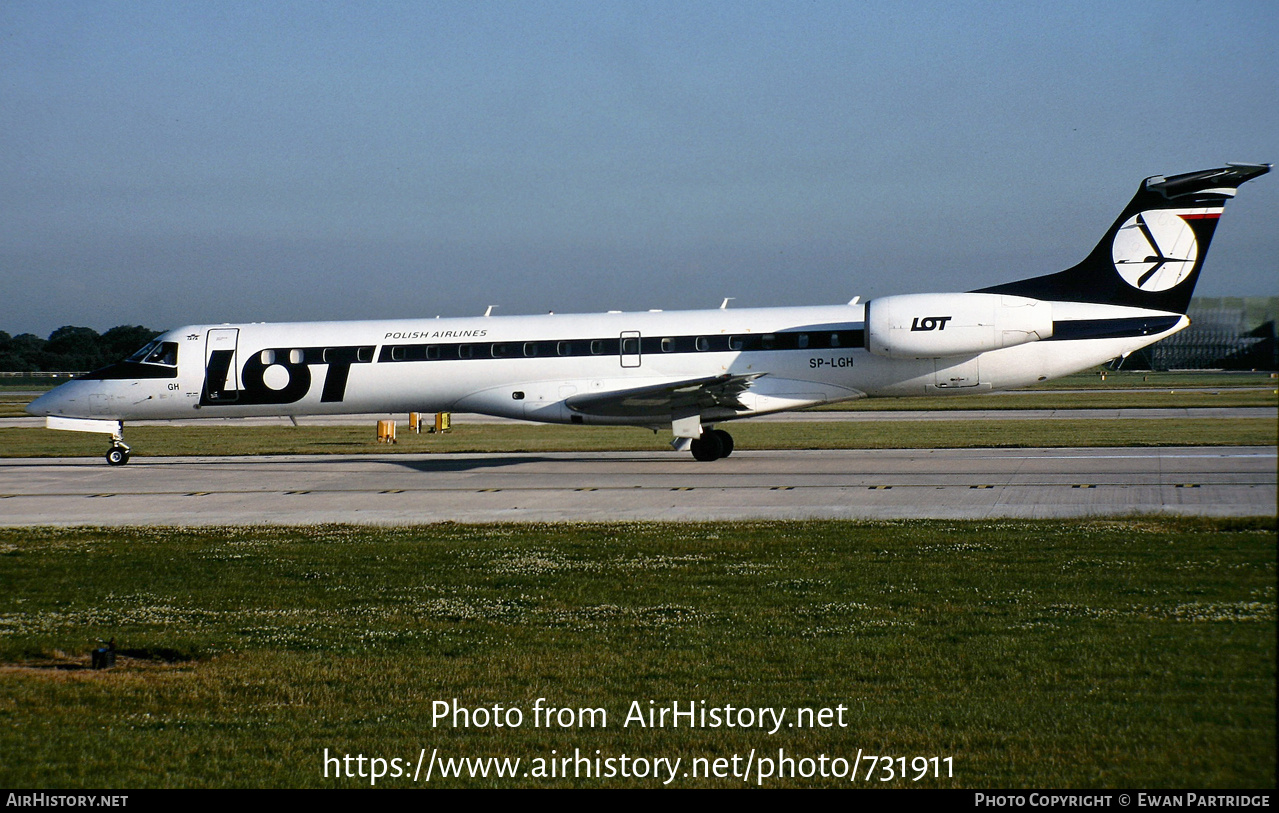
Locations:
(426, 465)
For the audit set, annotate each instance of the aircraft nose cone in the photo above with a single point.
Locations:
(45, 404)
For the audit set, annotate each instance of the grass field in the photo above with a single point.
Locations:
(1081, 391)
(1171, 379)
(1090, 379)
(13, 406)
(251, 440)
(1134, 653)
(1072, 399)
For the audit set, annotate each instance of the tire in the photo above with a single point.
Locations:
(708, 447)
(117, 456)
(725, 442)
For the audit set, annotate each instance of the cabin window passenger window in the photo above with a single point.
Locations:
(597, 347)
(703, 343)
(834, 340)
(564, 349)
(364, 354)
(801, 341)
(432, 352)
(768, 341)
(267, 356)
(530, 349)
(464, 351)
(668, 345)
(500, 351)
(295, 356)
(734, 342)
(397, 354)
(630, 346)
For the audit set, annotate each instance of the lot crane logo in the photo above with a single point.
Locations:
(1155, 250)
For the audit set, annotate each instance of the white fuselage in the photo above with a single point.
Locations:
(530, 367)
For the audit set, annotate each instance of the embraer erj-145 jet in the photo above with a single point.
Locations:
(688, 370)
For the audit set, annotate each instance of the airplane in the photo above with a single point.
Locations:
(686, 370)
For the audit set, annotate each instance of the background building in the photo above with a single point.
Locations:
(1229, 333)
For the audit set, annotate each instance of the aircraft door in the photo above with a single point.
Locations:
(630, 348)
(222, 365)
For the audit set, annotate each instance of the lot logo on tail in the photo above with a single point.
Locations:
(1155, 250)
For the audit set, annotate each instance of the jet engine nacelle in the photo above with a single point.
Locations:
(922, 326)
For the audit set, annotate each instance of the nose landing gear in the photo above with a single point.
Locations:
(712, 445)
(118, 454)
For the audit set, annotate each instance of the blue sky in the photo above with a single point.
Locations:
(168, 163)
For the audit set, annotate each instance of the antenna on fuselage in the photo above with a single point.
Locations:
(724, 305)
(854, 300)
(489, 310)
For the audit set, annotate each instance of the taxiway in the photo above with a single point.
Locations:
(844, 484)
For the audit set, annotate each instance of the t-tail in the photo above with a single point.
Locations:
(1151, 257)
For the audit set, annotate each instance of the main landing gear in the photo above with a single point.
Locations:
(712, 445)
(118, 454)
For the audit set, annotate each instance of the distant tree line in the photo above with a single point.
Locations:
(70, 348)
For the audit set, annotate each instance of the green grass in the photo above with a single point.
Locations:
(1053, 399)
(31, 383)
(1134, 653)
(253, 440)
(1091, 379)
(1167, 380)
(13, 406)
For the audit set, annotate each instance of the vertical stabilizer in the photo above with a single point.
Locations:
(1151, 257)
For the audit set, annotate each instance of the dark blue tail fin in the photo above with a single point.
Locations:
(1151, 257)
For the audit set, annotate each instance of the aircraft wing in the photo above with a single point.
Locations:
(692, 395)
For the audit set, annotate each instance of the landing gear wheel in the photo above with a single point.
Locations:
(118, 455)
(707, 447)
(725, 442)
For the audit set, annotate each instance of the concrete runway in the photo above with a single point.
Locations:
(406, 489)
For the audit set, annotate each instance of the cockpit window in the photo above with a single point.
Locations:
(157, 352)
(144, 352)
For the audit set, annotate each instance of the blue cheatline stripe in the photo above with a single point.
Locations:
(1112, 328)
